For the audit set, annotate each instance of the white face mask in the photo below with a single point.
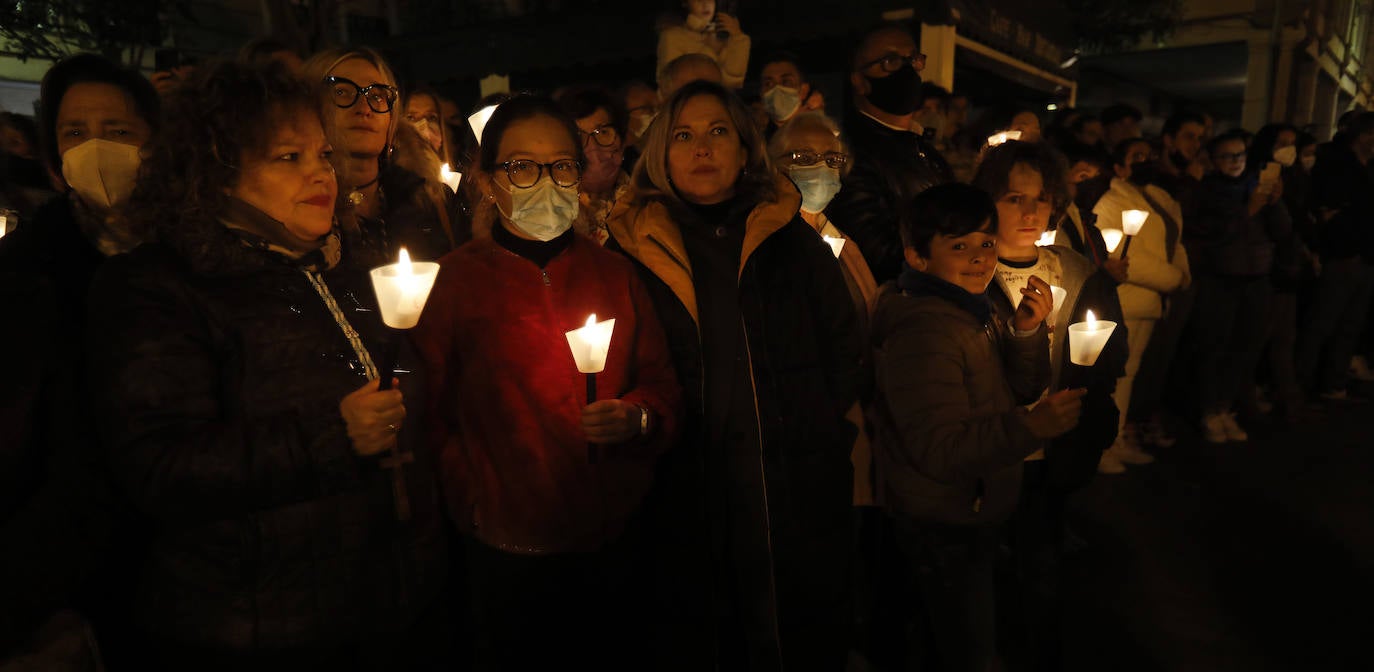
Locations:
(817, 184)
(1286, 156)
(101, 172)
(781, 102)
(544, 211)
(430, 132)
(1308, 162)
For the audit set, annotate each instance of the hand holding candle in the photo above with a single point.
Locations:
(1088, 338)
(589, 346)
(1037, 300)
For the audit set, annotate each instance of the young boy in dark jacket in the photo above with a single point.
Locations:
(952, 432)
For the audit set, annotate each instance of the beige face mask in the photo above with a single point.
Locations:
(101, 172)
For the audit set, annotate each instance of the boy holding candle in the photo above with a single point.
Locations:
(951, 429)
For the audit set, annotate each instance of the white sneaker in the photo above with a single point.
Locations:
(1109, 464)
(1233, 430)
(1214, 428)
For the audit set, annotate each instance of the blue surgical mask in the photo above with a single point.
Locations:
(781, 102)
(817, 184)
(543, 211)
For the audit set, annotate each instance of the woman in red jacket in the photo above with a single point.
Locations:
(548, 554)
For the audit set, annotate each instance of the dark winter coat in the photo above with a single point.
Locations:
(1341, 183)
(217, 371)
(1223, 238)
(890, 168)
(422, 216)
(1072, 458)
(55, 511)
(951, 434)
(804, 353)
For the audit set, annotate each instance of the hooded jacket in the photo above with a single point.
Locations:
(217, 367)
(804, 359)
(1156, 267)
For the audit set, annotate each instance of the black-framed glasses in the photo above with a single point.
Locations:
(524, 173)
(345, 93)
(603, 136)
(836, 160)
(892, 62)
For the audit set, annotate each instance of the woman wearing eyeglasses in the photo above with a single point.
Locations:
(601, 126)
(382, 206)
(543, 482)
(756, 498)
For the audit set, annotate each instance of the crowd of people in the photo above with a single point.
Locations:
(840, 377)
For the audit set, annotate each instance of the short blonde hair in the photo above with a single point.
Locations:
(322, 63)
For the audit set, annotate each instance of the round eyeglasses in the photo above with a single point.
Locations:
(345, 93)
(603, 136)
(892, 62)
(836, 160)
(524, 173)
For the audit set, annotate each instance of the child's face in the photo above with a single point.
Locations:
(967, 261)
(1023, 213)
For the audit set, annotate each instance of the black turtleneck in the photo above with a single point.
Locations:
(539, 251)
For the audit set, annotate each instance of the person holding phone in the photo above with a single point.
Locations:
(705, 30)
(1230, 237)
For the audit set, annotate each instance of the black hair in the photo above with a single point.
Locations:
(1119, 111)
(1305, 139)
(1080, 121)
(951, 210)
(867, 37)
(1346, 117)
(1262, 146)
(1233, 135)
(584, 100)
(1075, 152)
(932, 90)
(24, 125)
(1123, 148)
(1361, 124)
(90, 69)
(994, 171)
(1178, 119)
(783, 57)
(520, 108)
(261, 50)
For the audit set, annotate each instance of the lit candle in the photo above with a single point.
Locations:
(1087, 339)
(1132, 220)
(402, 289)
(450, 178)
(1046, 239)
(478, 120)
(5, 223)
(836, 244)
(1113, 239)
(998, 138)
(589, 346)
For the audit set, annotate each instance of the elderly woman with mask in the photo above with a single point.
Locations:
(95, 117)
(290, 505)
(382, 205)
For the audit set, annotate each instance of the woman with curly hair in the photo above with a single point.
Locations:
(290, 505)
(383, 203)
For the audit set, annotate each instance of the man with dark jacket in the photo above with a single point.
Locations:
(891, 163)
(1343, 205)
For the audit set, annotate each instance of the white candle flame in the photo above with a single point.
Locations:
(1092, 320)
(403, 264)
(591, 319)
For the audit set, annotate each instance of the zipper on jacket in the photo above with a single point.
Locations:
(545, 272)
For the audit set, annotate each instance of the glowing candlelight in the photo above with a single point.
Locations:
(1088, 338)
(1113, 239)
(402, 289)
(590, 344)
(836, 244)
(478, 121)
(1046, 239)
(452, 179)
(1132, 220)
(5, 223)
(998, 138)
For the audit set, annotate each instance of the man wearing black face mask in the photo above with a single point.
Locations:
(891, 164)
(1182, 163)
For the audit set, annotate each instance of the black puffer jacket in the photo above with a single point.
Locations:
(890, 168)
(217, 371)
(1223, 238)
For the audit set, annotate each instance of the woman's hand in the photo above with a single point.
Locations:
(1119, 269)
(727, 24)
(373, 417)
(1038, 301)
(610, 421)
(1056, 414)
